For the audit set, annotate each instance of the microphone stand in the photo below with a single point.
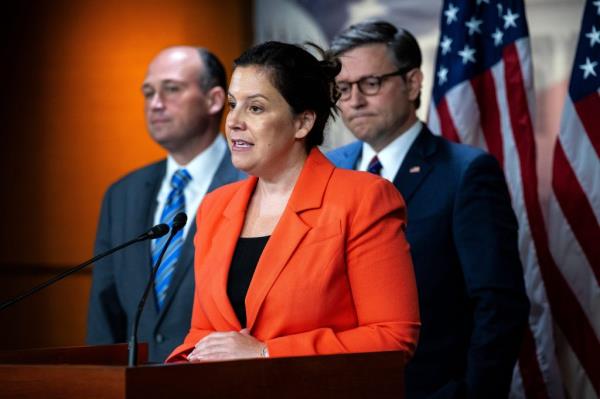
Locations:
(155, 232)
(132, 346)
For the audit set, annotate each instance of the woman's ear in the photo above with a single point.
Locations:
(215, 99)
(304, 123)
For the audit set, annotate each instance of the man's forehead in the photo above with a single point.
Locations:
(159, 82)
(181, 74)
(365, 60)
(181, 64)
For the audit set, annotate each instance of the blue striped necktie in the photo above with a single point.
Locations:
(375, 166)
(175, 204)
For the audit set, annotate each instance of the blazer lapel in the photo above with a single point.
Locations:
(289, 232)
(226, 173)
(415, 166)
(225, 240)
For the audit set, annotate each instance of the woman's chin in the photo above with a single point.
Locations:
(241, 164)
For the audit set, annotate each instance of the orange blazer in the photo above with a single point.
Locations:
(335, 276)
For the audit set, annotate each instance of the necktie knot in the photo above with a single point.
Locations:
(180, 179)
(375, 166)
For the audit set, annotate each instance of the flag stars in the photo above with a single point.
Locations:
(510, 18)
(498, 35)
(597, 4)
(594, 36)
(473, 25)
(467, 54)
(479, 2)
(445, 45)
(450, 14)
(589, 68)
(442, 75)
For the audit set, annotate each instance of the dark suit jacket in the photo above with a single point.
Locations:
(119, 280)
(463, 237)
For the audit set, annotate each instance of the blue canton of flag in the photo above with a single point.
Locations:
(473, 35)
(585, 78)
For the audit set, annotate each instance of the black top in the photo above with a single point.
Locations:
(244, 261)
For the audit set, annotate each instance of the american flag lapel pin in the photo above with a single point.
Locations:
(414, 169)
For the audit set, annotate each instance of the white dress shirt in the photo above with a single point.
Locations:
(392, 156)
(202, 169)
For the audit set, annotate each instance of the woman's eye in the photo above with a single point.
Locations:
(255, 109)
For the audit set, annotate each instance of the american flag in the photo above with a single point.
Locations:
(573, 214)
(483, 95)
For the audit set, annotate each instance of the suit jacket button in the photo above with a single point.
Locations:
(159, 338)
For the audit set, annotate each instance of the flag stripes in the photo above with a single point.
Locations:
(484, 88)
(576, 209)
(587, 111)
(573, 213)
(492, 108)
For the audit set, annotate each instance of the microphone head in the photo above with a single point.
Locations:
(178, 222)
(158, 231)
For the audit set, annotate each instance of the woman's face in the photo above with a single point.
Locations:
(264, 136)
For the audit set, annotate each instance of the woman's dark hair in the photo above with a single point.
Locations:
(306, 83)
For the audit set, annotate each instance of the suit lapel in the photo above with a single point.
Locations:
(185, 262)
(350, 155)
(146, 203)
(289, 232)
(415, 166)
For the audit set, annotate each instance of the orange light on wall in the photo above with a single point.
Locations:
(93, 57)
(72, 123)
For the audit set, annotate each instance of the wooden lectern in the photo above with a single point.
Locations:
(101, 372)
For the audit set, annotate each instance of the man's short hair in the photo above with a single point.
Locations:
(401, 44)
(213, 74)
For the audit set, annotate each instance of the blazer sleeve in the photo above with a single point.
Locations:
(485, 233)
(107, 321)
(382, 282)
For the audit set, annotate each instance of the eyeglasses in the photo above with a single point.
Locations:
(369, 85)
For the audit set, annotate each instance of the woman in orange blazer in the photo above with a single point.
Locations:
(301, 258)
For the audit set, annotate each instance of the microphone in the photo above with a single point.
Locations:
(155, 232)
(177, 224)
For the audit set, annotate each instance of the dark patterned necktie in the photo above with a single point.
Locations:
(375, 166)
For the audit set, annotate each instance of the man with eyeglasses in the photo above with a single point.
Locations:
(184, 94)
(461, 227)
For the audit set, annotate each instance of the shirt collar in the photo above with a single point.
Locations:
(393, 154)
(203, 162)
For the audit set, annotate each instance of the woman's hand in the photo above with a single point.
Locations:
(227, 346)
